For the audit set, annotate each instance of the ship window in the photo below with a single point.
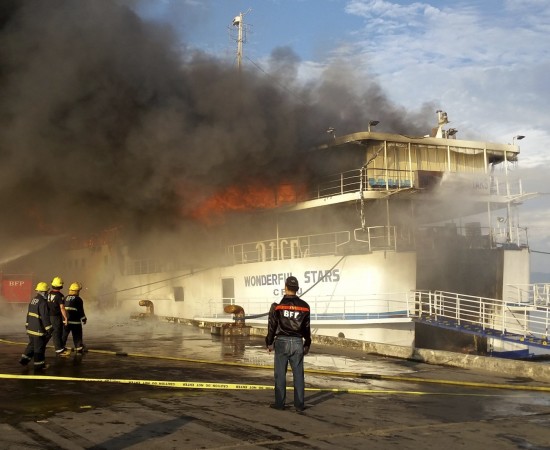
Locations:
(178, 294)
(228, 291)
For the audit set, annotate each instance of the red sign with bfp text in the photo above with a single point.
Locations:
(17, 290)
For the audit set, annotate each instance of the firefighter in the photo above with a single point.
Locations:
(58, 316)
(39, 329)
(75, 312)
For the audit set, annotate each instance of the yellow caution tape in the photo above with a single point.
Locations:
(360, 375)
(222, 386)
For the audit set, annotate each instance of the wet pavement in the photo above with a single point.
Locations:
(384, 408)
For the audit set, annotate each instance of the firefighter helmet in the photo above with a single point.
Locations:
(76, 286)
(42, 287)
(57, 282)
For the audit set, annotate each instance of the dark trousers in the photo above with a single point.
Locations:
(76, 330)
(289, 350)
(36, 348)
(57, 332)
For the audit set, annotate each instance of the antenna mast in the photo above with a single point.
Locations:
(241, 36)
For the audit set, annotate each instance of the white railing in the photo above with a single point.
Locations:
(474, 235)
(494, 316)
(392, 179)
(507, 316)
(292, 247)
(377, 238)
(355, 180)
(530, 294)
(289, 247)
(337, 307)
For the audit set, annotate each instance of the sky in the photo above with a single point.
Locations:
(485, 63)
(104, 95)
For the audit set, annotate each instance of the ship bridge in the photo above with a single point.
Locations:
(372, 166)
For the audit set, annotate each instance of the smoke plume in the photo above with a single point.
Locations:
(107, 120)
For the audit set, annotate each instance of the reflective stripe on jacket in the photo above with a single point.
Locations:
(38, 317)
(291, 317)
(75, 309)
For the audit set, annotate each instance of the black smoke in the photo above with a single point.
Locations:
(108, 120)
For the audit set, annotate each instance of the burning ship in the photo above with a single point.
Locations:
(366, 221)
(381, 216)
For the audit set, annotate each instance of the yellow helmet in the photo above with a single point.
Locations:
(42, 287)
(76, 286)
(57, 282)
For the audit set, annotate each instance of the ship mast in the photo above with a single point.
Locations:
(238, 22)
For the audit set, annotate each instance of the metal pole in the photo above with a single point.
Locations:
(240, 42)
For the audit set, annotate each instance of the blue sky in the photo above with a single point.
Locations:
(484, 62)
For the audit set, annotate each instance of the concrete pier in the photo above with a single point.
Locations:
(154, 384)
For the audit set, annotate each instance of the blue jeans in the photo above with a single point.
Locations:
(289, 349)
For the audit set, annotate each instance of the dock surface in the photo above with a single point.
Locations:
(157, 385)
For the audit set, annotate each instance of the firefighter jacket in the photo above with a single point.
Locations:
(55, 300)
(38, 317)
(290, 317)
(75, 309)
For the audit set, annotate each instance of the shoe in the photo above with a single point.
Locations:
(41, 368)
(64, 352)
(300, 410)
(274, 406)
(24, 361)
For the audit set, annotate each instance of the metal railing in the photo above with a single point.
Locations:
(289, 247)
(377, 238)
(329, 308)
(529, 294)
(504, 316)
(354, 180)
(474, 235)
(493, 316)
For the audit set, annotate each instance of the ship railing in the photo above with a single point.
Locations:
(529, 294)
(330, 307)
(510, 237)
(485, 314)
(394, 179)
(377, 238)
(505, 186)
(473, 235)
(290, 247)
(355, 180)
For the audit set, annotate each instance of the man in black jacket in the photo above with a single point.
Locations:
(39, 329)
(289, 333)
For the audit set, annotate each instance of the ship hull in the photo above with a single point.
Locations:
(365, 297)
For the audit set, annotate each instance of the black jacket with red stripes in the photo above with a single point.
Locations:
(290, 317)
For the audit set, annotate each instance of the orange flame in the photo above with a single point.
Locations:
(247, 198)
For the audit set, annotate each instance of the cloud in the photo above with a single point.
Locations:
(485, 66)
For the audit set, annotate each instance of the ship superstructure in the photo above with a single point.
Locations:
(380, 216)
(373, 218)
